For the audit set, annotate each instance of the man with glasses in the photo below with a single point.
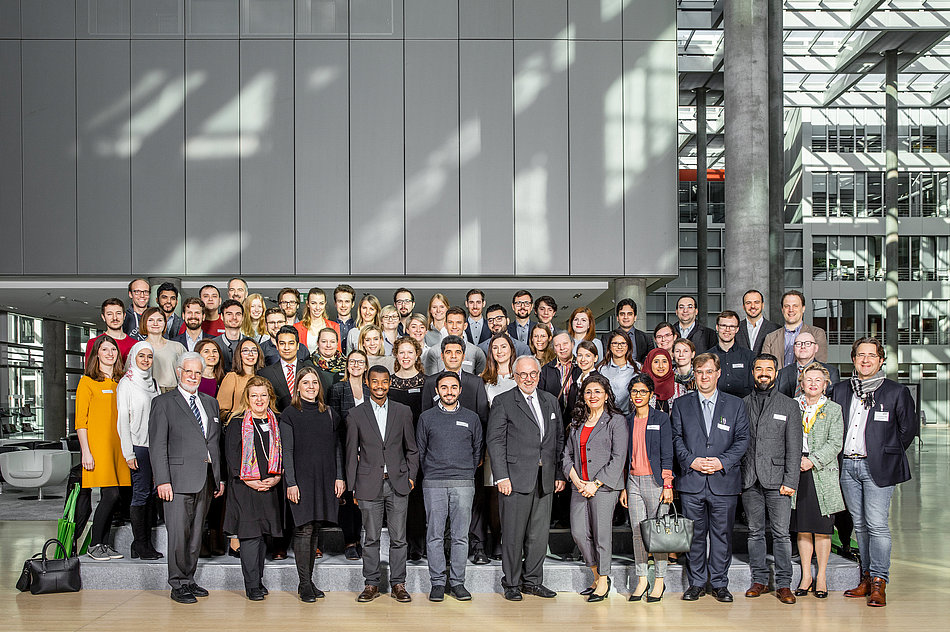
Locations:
(805, 349)
(405, 302)
(780, 342)
(288, 299)
(880, 424)
(688, 326)
(139, 291)
(736, 361)
(497, 318)
(521, 304)
(525, 441)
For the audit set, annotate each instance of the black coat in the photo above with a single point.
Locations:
(742, 336)
(274, 374)
(702, 337)
(312, 444)
(659, 443)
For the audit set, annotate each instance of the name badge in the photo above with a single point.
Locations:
(741, 365)
(109, 391)
(264, 428)
(653, 427)
(722, 426)
(215, 420)
(464, 424)
(780, 417)
(414, 390)
(435, 398)
(552, 415)
(881, 415)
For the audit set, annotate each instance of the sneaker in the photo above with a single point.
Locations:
(459, 592)
(99, 553)
(437, 593)
(115, 555)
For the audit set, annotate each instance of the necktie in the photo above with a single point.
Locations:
(290, 378)
(707, 415)
(197, 413)
(565, 382)
(534, 414)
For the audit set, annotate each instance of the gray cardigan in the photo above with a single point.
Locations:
(606, 451)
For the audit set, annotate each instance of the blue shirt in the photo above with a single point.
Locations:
(790, 335)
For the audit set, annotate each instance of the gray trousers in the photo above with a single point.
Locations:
(452, 504)
(525, 523)
(592, 526)
(394, 506)
(759, 503)
(643, 498)
(184, 522)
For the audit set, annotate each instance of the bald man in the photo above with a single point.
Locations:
(806, 350)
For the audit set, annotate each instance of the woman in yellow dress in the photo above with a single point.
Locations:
(96, 424)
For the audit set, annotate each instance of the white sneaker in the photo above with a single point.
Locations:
(99, 553)
(113, 554)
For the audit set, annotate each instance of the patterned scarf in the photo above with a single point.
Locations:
(249, 469)
(336, 364)
(810, 412)
(864, 389)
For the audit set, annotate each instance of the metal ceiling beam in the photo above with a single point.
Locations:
(940, 94)
(863, 10)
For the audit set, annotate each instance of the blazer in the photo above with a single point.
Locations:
(727, 440)
(774, 455)
(787, 379)
(824, 445)
(513, 328)
(483, 336)
(271, 355)
(643, 341)
(659, 443)
(173, 327)
(606, 451)
(473, 395)
(742, 336)
(890, 429)
(341, 397)
(183, 338)
(515, 446)
(303, 331)
(178, 449)
(702, 336)
(274, 374)
(550, 381)
(775, 343)
(367, 452)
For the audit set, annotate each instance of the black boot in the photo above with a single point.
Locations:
(141, 544)
(152, 507)
(303, 558)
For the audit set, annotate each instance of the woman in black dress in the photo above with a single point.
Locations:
(254, 459)
(313, 470)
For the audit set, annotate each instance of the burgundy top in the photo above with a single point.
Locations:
(208, 386)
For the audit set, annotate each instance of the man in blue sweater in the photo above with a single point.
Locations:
(450, 444)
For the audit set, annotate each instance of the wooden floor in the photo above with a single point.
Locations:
(918, 596)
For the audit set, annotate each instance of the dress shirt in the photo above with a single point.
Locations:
(753, 330)
(190, 342)
(532, 400)
(345, 327)
(475, 326)
(790, 335)
(685, 331)
(201, 410)
(708, 409)
(633, 341)
(381, 412)
(854, 441)
(293, 370)
(523, 331)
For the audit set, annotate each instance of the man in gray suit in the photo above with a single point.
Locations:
(183, 435)
(381, 466)
(525, 441)
(770, 470)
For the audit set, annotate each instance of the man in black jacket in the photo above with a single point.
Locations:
(688, 326)
(626, 320)
(754, 327)
(283, 374)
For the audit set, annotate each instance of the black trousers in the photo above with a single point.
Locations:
(713, 519)
(102, 521)
(252, 561)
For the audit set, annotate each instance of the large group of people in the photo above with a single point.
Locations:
(468, 434)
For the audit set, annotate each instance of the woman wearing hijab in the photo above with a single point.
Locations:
(134, 396)
(659, 366)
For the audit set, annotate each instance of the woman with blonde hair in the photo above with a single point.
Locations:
(367, 313)
(371, 343)
(438, 306)
(314, 319)
(389, 323)
(253, 325)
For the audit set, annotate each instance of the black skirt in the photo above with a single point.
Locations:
(806, 517)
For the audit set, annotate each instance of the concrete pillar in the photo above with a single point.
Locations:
(746, 240)
(776, 163)
(54, 379)
(891, 222)
(634, 288)
(702, 209)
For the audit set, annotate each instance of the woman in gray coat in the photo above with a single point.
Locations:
(818, 496)
(594, 457)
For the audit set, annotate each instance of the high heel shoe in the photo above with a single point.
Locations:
(801, 592)
(819, 594)
(594, 597)
(587, 591)
(651, 599)
(635, 597)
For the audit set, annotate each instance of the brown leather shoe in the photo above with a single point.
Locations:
(785, 595)
(862, 589)
(756, 589)
(400, 594)
(876, 596)
(369, 593)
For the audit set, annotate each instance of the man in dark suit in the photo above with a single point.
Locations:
(477, 330)
(184, 437)
(770, 470)
(283, 374)
(880, 421)
(382, 462)
(193, 311)
(710, 435)
(626, 320)
(139, 291)
(559, 376)
(688, 326)
(232, 315)
(806, 348)
(167, 299)
(754, 327)
(497, 319)
(274, 319)
(525, 441)
(521, 304)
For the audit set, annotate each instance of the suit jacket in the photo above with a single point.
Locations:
(516, 447)
(178, 449)
(473, 395)
(727, 440)
(787, 379)
(606, 452)
(183, 338)
(659, 443)
(890, 429)
(550, 381)
(473, 362)
(341, 397)
(485, 333)
(775, 343)
(774, 455)
(173, 326)
(274, 374)
(643, 341)
(742, 336)
(367, 452)
(702, 336)
(513, 329)
(271, 355)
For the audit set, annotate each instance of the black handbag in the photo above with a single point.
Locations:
(42, 575)
(671, 533)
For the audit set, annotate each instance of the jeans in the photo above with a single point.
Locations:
(870, 507)
(142, 486)
(759, 502)
(455, 505)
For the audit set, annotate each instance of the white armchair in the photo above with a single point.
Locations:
(35, 469)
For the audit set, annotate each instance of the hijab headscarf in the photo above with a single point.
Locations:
(137, 377)
(665, 385)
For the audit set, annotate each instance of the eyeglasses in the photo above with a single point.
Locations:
(391, 317)
(728, 327)
(639, 392)
(286, 303)
(405, 301)
(804, 344)
(705, 371)
(525, 375)
(356, 362)
(521, 303)
(866, 356)
(141, 292)
(496, 319)
(248, 351)
(663, 336)
(618, 343)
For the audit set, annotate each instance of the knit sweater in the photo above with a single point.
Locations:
(450, 446)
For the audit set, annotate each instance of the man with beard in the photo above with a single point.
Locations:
(213, 324)
(193, 312)
(167, 302)
(405, 302)
(497, 318)
(520, 330)
(754, 327)
(770, 470)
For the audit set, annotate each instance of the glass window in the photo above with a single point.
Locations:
(819, 142)
(874, 139)
(819, 195)
(846, 194)
(819, 258)
(875, 194)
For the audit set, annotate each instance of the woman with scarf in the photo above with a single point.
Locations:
(329, 360)
(683, 353)
(818, 496)
(134, 396)
(254, 461)
(659, 366)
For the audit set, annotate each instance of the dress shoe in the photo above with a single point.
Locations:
(182, 595)
(254, 594)
(480, 558)
(652, 599)
(784, 595)
(369, 593)
(400, 594)
(594, 597)
(264, 590)
(280, 555)
(513, 594)
(196, 590)
(693, 593)
(305, 591)
(460, 592)
(722, 594)
(415, 556)
(437, 593)
(234, 552)
(876, 596)
(756, 589)
(352, 553)
(587, 591)
(819, 594)
(862, 589)
(539, 591)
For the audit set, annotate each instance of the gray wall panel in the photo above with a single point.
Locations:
(267, 17)
(541, 19)
(267, 155)
(11, 166)
(432, 19)
(596, 157)
(207, 18)
(486, 19)
(597, 20)
(541, 191)
(323, 18)
(376, 18)
(486, 157)
(322, 149)
(212, 157)
(9, 18)
(650, 145)
(158, 168)
(103, 19)
(49, 156)
(48, 18)
(649, 20)
(158, 18)
(104, 169)
(377, 208)
(432, 157)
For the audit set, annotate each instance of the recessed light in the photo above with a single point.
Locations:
(578, 295)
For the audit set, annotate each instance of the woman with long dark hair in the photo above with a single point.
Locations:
(213, 373)
(619, 366)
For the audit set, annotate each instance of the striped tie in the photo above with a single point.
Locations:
(194, 409)
(290, 378)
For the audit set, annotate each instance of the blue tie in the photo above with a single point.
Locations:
(194, 409)
(707, 415)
